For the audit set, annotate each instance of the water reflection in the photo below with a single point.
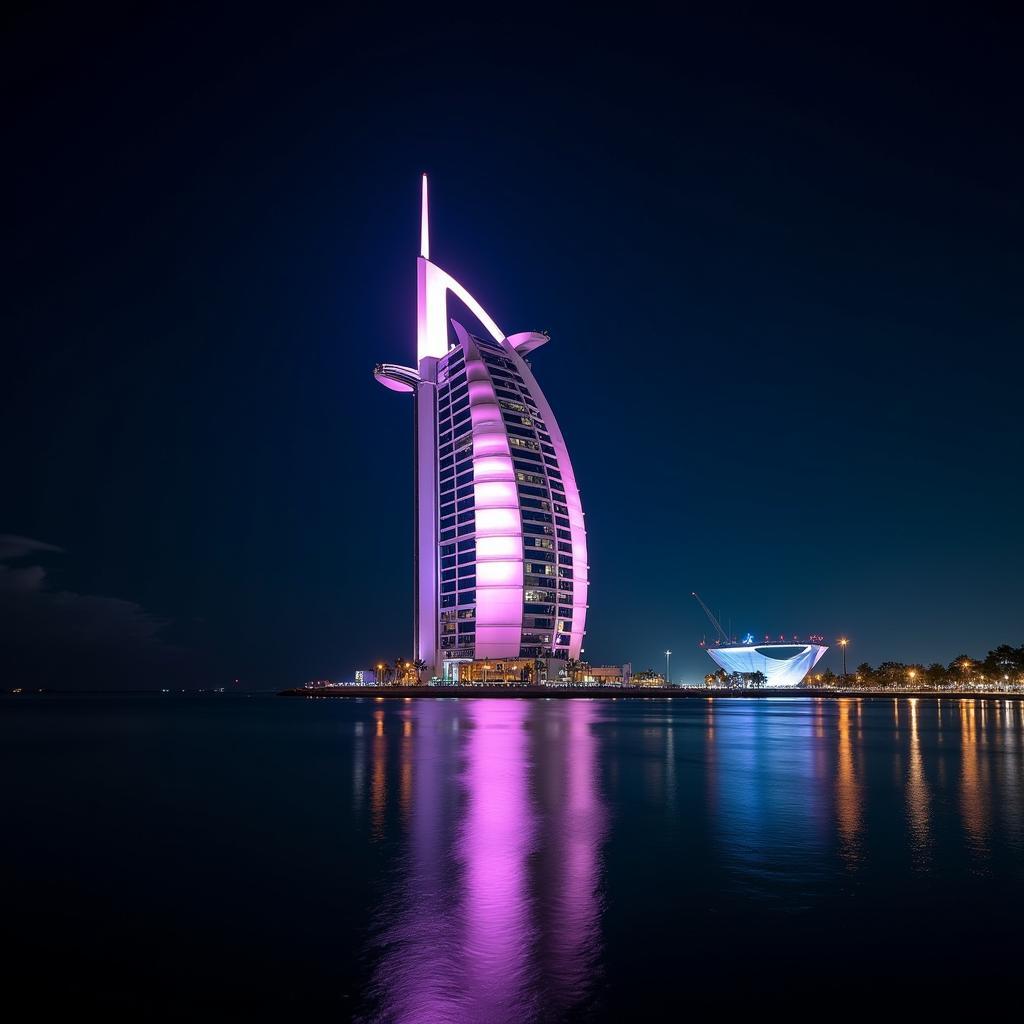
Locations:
(492, 823)
(849, 803)
(973, 775)
(496, 837)
(918, 797)
(497, 916)
(378, 787)
(766, 762)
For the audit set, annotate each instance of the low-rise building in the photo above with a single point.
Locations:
(607, 675)
(648, 677)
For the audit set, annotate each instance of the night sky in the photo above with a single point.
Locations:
(780, 262)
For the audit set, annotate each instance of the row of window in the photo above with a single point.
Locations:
(546, 531)
(462, 613)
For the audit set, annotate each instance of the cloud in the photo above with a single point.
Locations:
(62, 639)
(12, 547)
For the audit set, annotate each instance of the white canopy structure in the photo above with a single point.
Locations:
(784, 664)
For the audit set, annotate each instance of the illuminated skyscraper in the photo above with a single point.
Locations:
(501, 550)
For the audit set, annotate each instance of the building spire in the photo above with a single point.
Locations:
(424, 223)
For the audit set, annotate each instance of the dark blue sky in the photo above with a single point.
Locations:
(780, 262)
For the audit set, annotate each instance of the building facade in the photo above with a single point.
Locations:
(783, 664)
(500, 553)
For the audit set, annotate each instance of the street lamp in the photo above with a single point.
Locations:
(842, 643)
(668, 674)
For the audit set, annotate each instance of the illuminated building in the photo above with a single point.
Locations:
(500, 552)
(783, 663)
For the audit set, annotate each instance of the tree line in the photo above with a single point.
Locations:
(1000, 667)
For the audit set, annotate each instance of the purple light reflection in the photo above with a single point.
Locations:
(496, 837)
(495, 912)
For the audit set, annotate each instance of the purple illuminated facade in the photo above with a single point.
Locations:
(501, 550)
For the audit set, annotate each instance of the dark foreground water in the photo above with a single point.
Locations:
(504, 860)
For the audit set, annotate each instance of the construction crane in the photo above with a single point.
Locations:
(714, 622)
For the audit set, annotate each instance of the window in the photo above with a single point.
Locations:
(536, 528)
(537, 492)
(520, 442)
(519, 431)
(530, 478)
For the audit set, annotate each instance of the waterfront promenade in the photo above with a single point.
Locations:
(624, 692)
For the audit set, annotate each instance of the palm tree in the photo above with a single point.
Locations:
(538, 667)
(399, 670)
(419, 665)
(572, 666)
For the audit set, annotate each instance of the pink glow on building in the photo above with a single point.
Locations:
(424, 222)
(519, 460)
(432, 322)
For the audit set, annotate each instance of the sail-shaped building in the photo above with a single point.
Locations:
(501, 570)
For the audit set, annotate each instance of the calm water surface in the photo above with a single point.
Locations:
(503, 860)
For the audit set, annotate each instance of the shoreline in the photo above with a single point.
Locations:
(613, 693)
